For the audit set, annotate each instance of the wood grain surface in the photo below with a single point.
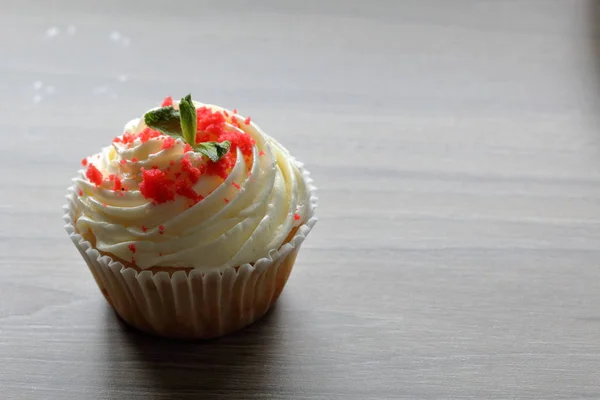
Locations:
(456, 145)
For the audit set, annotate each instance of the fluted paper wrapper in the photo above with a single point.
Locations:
(195, 304)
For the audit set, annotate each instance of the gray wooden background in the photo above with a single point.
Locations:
(456, 145)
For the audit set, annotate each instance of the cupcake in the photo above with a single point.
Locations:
(191, 220)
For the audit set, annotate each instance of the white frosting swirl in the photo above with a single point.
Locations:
(240, 219)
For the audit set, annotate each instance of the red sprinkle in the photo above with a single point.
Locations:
(128, 138)
(212, 126)
(209, 122)
(184, 189)
(84, 162)
(148, 134)
(132, 248)
(193, 173)
(235, 110)
(172, 162)
(247, 121)
(94, 175)
(111, 177)
(236, 185)
(103, 204)
(261, 153)
(144, 228)
(161, 229)
(238, 139)
(118, 185)
(168, 101)
(156, 186)
(80, 192)
(134, 159)
(123, 162)
(226, 200)
(223, 166)
(168, 143)
(225, 113)
(297, 217)
(188, 148)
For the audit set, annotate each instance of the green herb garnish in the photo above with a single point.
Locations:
(187, 115)
(165, 120)
(182, 125)
(213, 150)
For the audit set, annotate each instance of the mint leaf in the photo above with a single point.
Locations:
(165, 120)
(189, 123)
(213, 150)
(182, 125)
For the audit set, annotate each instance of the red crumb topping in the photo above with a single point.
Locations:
(236, 185)
(184, 189)
(111, 178)
(132, 248)
(84, 162)
(238, 139)
(192, 173)
(94, 175)
(128, 138)
(297, 217)
(161, 229)
(122, 162)
(249, 174)
(261, 153)
(168, 142)
(226, 200)
(80, 192)
(168, 101)
(162, 186)
(118, 185)
(186, 178)
(212, 126)
(209, 121)
(223, 166)
(144, 228)
(148, 134)
(156, 186)
(103, 204)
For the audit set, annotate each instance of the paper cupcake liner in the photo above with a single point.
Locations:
(193, 305)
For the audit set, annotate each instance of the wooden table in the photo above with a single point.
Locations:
(456, 145)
